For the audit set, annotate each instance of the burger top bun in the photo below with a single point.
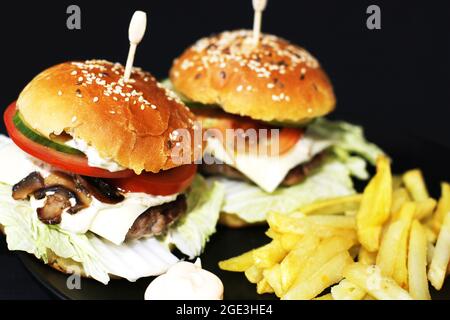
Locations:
(272, 81)
(130, 123)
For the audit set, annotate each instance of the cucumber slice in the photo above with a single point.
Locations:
(36, 137)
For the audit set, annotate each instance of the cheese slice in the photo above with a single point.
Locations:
(266, 171)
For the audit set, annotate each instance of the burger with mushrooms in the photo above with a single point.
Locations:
(89, 182)
(232, 83)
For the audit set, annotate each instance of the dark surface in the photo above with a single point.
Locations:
(408, 152)
(394, 81)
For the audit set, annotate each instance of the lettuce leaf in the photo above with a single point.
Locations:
(346, 138)
(191, 232)
(252, 204)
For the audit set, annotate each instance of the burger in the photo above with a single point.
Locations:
(89, 182)
(229, 82)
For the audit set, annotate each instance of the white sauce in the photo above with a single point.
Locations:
(94, 158)
(185, 281)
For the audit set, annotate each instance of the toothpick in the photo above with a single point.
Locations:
(258, 6)
(136, 32)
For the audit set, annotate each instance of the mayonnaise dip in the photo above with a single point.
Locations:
(185, 281)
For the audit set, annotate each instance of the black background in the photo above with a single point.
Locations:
(394, 80)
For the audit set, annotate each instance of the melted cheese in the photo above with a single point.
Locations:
(266, 171)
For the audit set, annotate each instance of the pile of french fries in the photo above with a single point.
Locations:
(387, 243)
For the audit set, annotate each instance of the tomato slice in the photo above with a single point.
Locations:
(217, 119)
(68, 162)
(163, 183)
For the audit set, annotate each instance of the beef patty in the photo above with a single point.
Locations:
(156, 220)
(294, 176)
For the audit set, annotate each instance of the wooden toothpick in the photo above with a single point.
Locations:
(136, 31)
(258, 6)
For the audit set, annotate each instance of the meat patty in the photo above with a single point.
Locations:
(294, 176)
(156, 220)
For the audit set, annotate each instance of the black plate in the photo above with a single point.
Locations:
(407, 152)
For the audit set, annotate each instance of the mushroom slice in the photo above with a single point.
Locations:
(58, 178)
(57, 200)
(27, 186)
(101, 190)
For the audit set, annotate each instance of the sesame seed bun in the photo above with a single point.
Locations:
(274, 81)
(130, 123)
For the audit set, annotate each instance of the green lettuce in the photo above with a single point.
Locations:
(192, 231)
(346, 139)
(25, 232)
(252, 204)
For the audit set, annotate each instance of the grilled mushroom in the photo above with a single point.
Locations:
(68, 181)
(58, 198)
(100, 189)
(27, 186)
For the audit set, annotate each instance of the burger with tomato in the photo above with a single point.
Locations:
(88, 179)
(231, 82)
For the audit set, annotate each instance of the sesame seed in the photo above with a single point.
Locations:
(249, 88)
(74, 73)
(80, 79)
(59, 93)
(95, 99)
(142, 107)
(239, 88)
(74, 118)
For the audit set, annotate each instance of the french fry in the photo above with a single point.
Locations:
(417, 262)
(272, 234)
(289, 240)
(399, 197)
(401, 265)
(375, 206)
(273, 278)
(239, 263)
(443, 207)
(254, 274)
(333, 221)
(327, 249)
(366, 257)
(327, 296)
(392, 255)
(425, 208)
(263, 287)
(431, 235)
(323, 277)
(296, 259)
(345, 290)
(268, 255)
(333, 206)
(397, 182)
(441, 255)
(430, 252)
(414, 182)
(370, 279)
(304, 225)
(386, 257)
